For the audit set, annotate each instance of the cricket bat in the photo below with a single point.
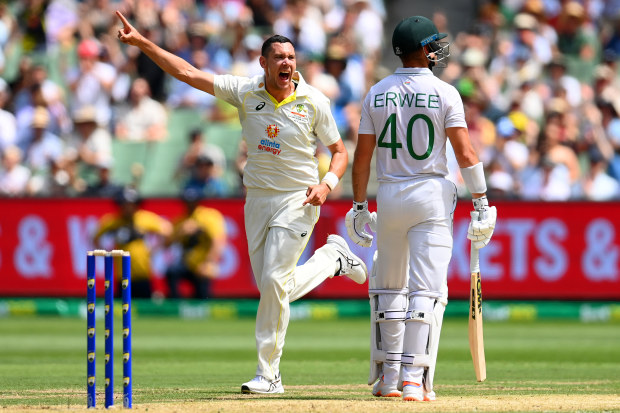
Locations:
(476, 341)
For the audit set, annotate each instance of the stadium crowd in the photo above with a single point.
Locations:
(539, 81)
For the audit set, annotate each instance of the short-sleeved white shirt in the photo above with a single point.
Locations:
(281, 137)
(409, 112)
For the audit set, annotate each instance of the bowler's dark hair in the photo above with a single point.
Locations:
(276, 38)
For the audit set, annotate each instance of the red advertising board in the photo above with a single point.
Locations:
(539, 250)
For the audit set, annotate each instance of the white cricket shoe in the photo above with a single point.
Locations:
(350, 264)
(415, 392)
(260, 385)
(382, 389)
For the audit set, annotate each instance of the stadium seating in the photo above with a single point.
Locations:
(152, 165)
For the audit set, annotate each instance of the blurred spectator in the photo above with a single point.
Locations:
(7, 26)
(575, 38)
(8, 131)
(364, 25)
(146, 120)
(611, 44)
(527, 129)
(301, 22)
(146, 69)
(61, 21)
(510, 154)
(529, 99)
(199, 146)
(45, 148)
(314, 73)
(102, 186)
(264, 14)
(204, 180)
(201, 233)
(96, 17)
(475, 76)
(34, 88)
(184, 96)
(547, 181)
(501, 184)
(593, 137)
(560, 83)
(606, 83)
(610, 123)
(335, 66)
(530, 43)
(25, 103)
(32, 14)
(63, 179)
(555, 143)
(95, 143)
(598, 185)
(537, 9)
(481, 129)
(92, 81)
(14, 177)
(246, 61)
(129, 227)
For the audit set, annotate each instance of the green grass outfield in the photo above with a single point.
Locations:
(199, 364)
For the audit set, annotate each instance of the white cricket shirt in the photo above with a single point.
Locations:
(409, 112)
(281, 137)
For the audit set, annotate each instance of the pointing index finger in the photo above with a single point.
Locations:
(123, 19)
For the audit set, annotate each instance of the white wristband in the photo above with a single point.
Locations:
(474, 178)
(360, 206)
(331, 179)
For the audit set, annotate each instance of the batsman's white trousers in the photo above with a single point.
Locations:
(278, 228)
(414, 236)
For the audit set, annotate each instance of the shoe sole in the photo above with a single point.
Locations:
(392, 394)
(413, 397)
(247, 390)
(343, 245)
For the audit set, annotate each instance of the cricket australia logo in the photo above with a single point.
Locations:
(300, 110)
(299, 113)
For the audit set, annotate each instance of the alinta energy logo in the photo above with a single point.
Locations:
(272, 131)
(269, 145)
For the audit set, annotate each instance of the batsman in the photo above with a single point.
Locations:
(409, 117)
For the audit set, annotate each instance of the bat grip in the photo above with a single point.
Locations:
(474, 260)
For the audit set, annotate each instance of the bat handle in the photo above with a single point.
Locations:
(474, 260)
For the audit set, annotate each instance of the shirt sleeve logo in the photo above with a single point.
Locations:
(260, 106)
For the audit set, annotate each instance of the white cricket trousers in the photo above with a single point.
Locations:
(414, 236)
(278, 228)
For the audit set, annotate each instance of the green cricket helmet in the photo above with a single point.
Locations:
(416, 32)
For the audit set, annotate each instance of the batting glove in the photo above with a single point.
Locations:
(482, 223)
(357, 219)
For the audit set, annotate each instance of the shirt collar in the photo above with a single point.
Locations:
(413, 71)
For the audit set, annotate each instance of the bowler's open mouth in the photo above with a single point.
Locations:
(285, 75)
